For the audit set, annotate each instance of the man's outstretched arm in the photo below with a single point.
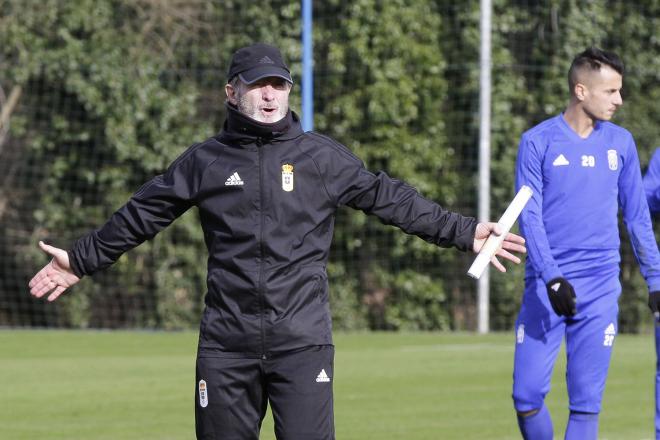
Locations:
(347, 182)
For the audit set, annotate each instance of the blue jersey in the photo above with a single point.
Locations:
(571, 221)
(652, 183)
(652, 189)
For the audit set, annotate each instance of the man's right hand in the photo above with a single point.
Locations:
(562, 296)
(55, 277)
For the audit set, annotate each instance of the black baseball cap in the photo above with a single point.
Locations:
(252, 63)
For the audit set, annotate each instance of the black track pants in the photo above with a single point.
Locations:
(232, 395)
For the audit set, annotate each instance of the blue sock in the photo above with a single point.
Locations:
(537, 426)
(582, 426)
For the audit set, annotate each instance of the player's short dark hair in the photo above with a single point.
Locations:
(592, 59)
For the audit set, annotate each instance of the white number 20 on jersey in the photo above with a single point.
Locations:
(588, 161)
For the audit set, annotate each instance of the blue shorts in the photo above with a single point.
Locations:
(589, 337)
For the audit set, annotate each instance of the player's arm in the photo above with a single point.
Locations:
(638, 223)
(529, 172)
(152, 208)
(155, 206)
(396, 203)
(652, 183)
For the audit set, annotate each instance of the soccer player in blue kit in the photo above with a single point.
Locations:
(652, 189)
(582, 169)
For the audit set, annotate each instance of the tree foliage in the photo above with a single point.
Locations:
(111, 91)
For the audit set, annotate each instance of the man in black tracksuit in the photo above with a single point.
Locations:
(267, 195)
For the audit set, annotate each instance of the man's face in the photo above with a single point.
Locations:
(266, 100)
(601, 93)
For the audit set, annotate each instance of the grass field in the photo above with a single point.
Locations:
(139, 385)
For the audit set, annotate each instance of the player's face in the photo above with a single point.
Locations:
(266, 100)
(602, 93)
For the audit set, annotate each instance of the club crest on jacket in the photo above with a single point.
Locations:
(287, 177)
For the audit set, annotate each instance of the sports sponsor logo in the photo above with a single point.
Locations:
(322, 377)
(203, 394)
(234, 180)
(560, 161)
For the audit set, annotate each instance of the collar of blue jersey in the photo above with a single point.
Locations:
(242, 129)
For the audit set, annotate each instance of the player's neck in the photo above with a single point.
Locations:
(579, 121)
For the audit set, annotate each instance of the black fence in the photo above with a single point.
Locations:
(99, 96)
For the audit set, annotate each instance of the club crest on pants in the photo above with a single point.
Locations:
(520, 334)
(203, 394)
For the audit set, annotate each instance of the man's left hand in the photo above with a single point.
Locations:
(512, 243)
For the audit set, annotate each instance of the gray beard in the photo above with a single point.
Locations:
(244, 106)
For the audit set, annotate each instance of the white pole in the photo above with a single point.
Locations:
(484, 149)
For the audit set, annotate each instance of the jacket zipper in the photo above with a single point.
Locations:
(261, 248)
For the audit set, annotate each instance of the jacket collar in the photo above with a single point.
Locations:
(242, 129)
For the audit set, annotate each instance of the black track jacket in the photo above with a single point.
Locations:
(267, 196)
